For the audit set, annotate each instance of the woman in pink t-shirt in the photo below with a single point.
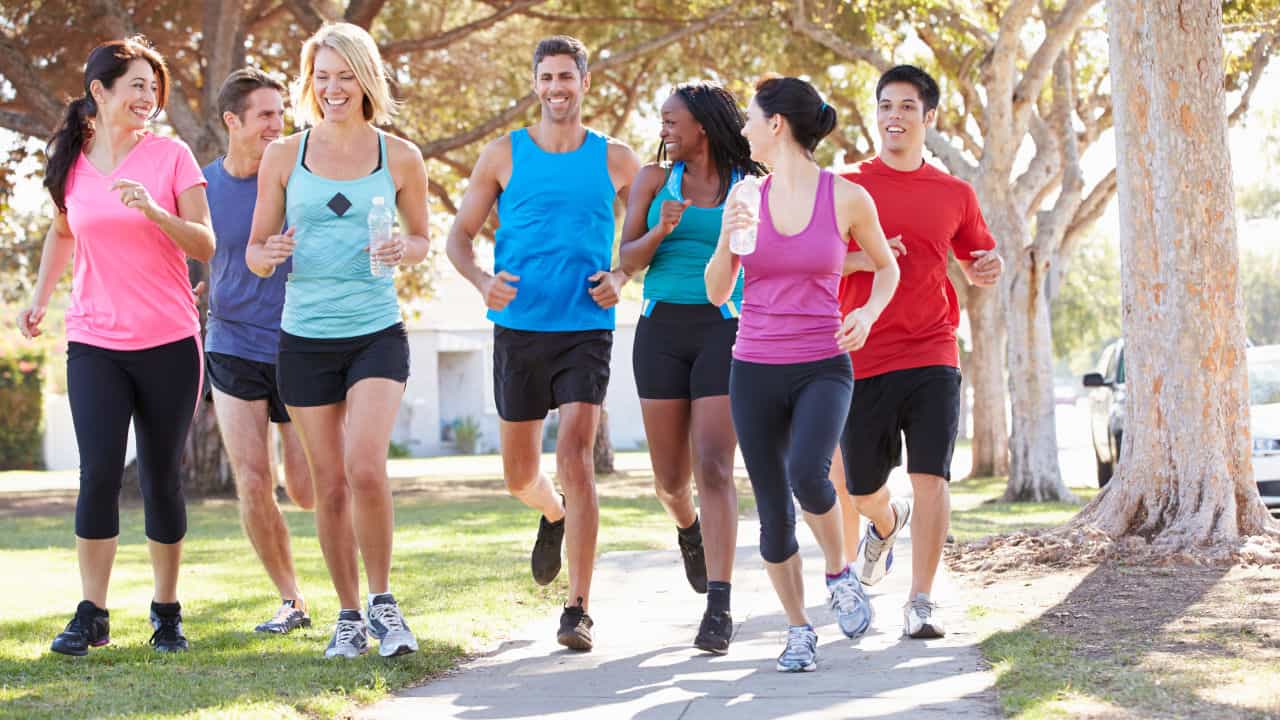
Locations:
(131, 205)
(791, 380)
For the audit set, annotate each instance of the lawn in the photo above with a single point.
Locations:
(461, 574)
(977, 512)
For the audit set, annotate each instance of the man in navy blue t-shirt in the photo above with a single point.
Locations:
(243, 334)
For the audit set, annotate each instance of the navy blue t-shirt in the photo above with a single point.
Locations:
(244, 309)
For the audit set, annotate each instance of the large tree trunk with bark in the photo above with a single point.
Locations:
(1185, 478)
(990, 427)
(602, 455)
(1033, 446)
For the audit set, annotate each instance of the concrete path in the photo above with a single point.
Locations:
(644, 665)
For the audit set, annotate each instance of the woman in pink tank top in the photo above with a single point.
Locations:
(791, 381)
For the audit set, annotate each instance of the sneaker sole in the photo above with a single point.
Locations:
(804, 668)
(343, 656)
(706, 647)
(397, 651)
(927, 632)
(574, 641)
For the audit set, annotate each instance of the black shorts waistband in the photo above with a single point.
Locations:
(688, 314)
(297, 343)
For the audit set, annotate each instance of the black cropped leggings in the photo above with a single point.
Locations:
(788, 419)
(156, 388)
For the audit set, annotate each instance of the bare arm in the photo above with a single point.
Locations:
(859, 261)
(58, 246)
(722, 269)
(859, 219)
(268, 247)
(411, 199)
(190, 229)
(639, 242)
(482, 192)
(984, 269)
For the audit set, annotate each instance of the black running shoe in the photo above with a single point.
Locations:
(695, 563)
(288, 617)
(715, 632)
(575, 628)
(545, 559)
(166, 618)
(89, 627)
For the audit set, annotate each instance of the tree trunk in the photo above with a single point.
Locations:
(990, 429)
(1034, 475)
(602, 454)
(1185, 478)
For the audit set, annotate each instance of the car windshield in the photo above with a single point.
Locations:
(1264, 375)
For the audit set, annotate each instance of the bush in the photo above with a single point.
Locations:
(22, 407)
(465, 433)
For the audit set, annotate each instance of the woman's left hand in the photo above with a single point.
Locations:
(134, 195)
(853, 332)
(390, 253)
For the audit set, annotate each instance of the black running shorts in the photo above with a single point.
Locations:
(683, 352)
(921, 403)
(246, 380)
(320, 371)
(536, 371)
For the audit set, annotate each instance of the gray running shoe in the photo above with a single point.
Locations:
(851, 605)
(801, 654)
(918, 621)
(350, 638)
(388, 625)
(875, 554)
(289, 617)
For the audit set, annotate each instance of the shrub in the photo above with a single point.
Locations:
(22, 407)
(465, 433)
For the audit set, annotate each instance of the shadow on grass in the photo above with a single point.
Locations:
(1093, 644)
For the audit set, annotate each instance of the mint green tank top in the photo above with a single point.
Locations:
(675, 273)
(331, 293)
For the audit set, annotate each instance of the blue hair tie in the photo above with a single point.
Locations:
(823, 108)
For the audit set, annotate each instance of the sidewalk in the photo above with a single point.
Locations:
(644, 665)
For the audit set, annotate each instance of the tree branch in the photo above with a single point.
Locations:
(448, 37)
(306, 14)
(1260, 56)
(220, 37)
(828, 39)
(1094, 205)
(955, 160)
(25, 123)
(43, 109)
(362, 12)
(1042, 62)
(1031, 186)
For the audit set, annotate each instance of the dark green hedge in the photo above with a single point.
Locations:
(22, 409)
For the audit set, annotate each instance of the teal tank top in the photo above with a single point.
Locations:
(331, 293)
(675, 274)
(555, 231)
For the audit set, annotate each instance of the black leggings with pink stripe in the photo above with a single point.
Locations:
(156, 388)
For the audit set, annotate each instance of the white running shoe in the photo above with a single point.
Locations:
(388, 625)
(918, 620)
(875, 554)
(350, 638)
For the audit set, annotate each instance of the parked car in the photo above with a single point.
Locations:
(1106, 415)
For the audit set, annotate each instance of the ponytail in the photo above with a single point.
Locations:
(65, 146)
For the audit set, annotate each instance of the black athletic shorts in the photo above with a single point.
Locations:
(922, 403)
(246, 380)
(683, 352)
(536, 371)
(320, 371)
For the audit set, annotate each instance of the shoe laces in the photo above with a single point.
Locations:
(922, 606)
(346, 631)
(167, 631)
(389, 615)
(287, 609)
(845, 598)
(799, 641)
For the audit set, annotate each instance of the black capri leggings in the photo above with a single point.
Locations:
(788, 419)
(156, 388)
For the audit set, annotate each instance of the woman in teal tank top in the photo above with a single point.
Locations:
(344, 356)
(683, 345)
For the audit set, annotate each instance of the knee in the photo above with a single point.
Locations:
(778, 539)
(815, 494)
(254, 488)
(716, 471)
(574, 447)
(331, 492)
(928, 487)
(668, 485)
(165, 511)
(865, 504)
(365, 475)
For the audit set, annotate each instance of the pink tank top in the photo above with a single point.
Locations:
(790, 297)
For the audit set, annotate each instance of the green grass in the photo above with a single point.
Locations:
(977, 512)
(460, 572)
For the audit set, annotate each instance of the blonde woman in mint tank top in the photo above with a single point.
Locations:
(791, 375)
(344, 356)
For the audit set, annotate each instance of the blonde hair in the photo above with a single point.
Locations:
(357, 48)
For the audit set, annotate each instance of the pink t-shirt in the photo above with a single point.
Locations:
(129, 290)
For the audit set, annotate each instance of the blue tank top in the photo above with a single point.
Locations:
(675, 273)
(331, 293)
(556, 230)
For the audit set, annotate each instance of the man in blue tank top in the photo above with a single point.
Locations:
(243, 333)
(551, 296)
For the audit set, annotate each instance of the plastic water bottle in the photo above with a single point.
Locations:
(743, 242)
(382, 223)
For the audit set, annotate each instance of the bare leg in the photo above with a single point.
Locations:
(372, 404)
(575, 467)
(245, 434)
(713, 444)
(297, 478)
(850, 522)
(930, 520)
(165, 560)
(96, 558)
(666, 426)
(521, 468)
(788, 582)
(321, 431)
